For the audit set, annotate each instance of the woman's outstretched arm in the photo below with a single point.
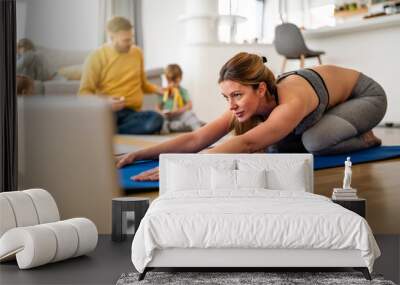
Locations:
(185, 143)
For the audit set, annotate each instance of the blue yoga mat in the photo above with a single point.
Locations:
(366, 155)
(320, 162)
(128, 171)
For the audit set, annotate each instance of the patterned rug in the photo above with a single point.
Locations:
(243, 278)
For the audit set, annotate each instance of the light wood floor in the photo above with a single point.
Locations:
(378, 182)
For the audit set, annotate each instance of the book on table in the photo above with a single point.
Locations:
(344, 194)
(341, 190)
(344, 198)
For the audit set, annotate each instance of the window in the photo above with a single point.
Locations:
(247, 27)
(322, 16)
(262, 16)
(307, 14)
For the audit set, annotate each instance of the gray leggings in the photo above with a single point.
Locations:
(339, 129)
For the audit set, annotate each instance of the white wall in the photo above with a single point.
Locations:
(163, 33)
(22, 6)
(60, 24)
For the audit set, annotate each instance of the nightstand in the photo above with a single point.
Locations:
(123, 210)
(358, 205)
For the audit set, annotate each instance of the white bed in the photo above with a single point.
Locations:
(247, 210)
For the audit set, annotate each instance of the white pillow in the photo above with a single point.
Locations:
(251, 178)
(223, 179)
(291, 179)
(237, 179)
(289, 176)
(183, 175)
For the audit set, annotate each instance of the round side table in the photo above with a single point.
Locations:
(121, 208)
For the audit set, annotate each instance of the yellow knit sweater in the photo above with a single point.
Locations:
(108, 72)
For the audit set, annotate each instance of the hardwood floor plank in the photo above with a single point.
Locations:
(378, 182)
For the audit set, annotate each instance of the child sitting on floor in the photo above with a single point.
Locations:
(176, 105)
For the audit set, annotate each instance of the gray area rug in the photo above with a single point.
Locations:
(231, 278)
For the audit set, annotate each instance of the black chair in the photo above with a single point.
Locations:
(289, 42)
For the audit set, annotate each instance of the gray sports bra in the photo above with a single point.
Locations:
(319, 86)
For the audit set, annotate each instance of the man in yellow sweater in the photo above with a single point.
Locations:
(116, 70)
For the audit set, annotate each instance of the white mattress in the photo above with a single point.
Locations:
(256, 218)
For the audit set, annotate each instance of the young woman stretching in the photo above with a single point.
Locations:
(323, 110)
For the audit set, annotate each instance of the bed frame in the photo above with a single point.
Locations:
(241, 259)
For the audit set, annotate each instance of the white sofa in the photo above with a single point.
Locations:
(55, 59)
(31, 231)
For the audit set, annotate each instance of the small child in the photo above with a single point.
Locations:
(176, 105)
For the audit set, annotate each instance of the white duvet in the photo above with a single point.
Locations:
(250, 219)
